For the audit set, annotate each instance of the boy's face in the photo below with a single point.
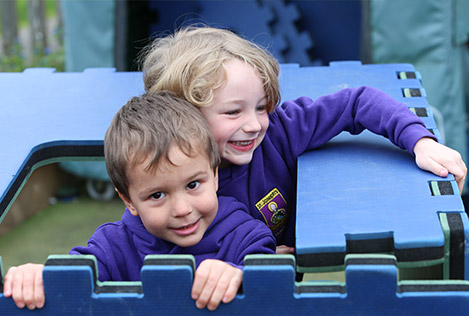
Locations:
(238, 116)
(176, 202)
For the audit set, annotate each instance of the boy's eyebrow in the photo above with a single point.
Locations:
(193, 176)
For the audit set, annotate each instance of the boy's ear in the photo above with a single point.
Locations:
(128, 203)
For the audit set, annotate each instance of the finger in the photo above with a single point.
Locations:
(460, 172)
(232, 290)
(28, 290)
(17, 289)
(460, 185)
(206, 293)
(284, 250)
(220, 290)
(201, 275)
(432, 164)
(434, 167)
(7, 282)
(39, 295)
(460, 179)
(211, 280)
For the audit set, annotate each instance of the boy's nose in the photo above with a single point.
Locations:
(181, 207)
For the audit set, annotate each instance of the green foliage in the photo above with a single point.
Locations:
(14, 59)
(22, 9)
(17, 62)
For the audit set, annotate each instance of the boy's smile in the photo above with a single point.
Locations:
(177, 200)
(238, 117)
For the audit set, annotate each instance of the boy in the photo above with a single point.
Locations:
(163, 161)
(234, 83)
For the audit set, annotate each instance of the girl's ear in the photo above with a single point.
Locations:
(216, 179)
(128, 203)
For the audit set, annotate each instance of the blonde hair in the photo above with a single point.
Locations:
(191, 64)
(147, 126)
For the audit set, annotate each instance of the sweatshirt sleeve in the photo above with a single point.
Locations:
(115, 253)
(97, 250)
(308, 124)
(257, 243)
(236, 233)
(258, 240)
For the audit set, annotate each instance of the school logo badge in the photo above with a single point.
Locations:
(274, 209)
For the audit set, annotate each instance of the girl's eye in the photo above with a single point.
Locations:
(157, 195)
(193, 185)
(234, 112)
(261, 108)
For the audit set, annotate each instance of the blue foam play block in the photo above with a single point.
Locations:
(361, 193)
(317, 81)
(268, 288)
(379, 201)
(48, 116)
(52, 117)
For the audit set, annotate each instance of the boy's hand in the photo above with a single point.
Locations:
(24, 284)
(439, 159)
(284, 250)
(215, 281)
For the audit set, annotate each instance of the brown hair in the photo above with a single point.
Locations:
(147, 126)
(191, 64)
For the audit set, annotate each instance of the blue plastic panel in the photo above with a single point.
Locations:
(361, 193)
(54, 116)
(269, 288)
(378, 201)
(49, 116)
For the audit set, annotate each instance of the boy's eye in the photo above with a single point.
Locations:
(193, 185)
(157, 195)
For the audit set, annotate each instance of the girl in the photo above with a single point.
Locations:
(235, 84)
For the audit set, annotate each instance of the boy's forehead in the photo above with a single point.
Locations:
(176, 153)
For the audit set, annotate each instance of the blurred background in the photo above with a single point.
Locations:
(72, 35)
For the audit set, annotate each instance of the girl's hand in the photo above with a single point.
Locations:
(440, 160)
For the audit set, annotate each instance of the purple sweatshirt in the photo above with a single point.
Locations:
(120, 247)
(267, 186)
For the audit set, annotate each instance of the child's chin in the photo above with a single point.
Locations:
(189, 242)
(239, 160)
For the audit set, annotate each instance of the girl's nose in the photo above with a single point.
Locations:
(252, 124)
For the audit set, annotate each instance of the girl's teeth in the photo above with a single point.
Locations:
(242, 143)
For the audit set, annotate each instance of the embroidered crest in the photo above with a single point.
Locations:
(274, 209)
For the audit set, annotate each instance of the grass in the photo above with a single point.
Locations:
(56, 229)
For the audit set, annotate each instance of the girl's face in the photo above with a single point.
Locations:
(238, 116)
